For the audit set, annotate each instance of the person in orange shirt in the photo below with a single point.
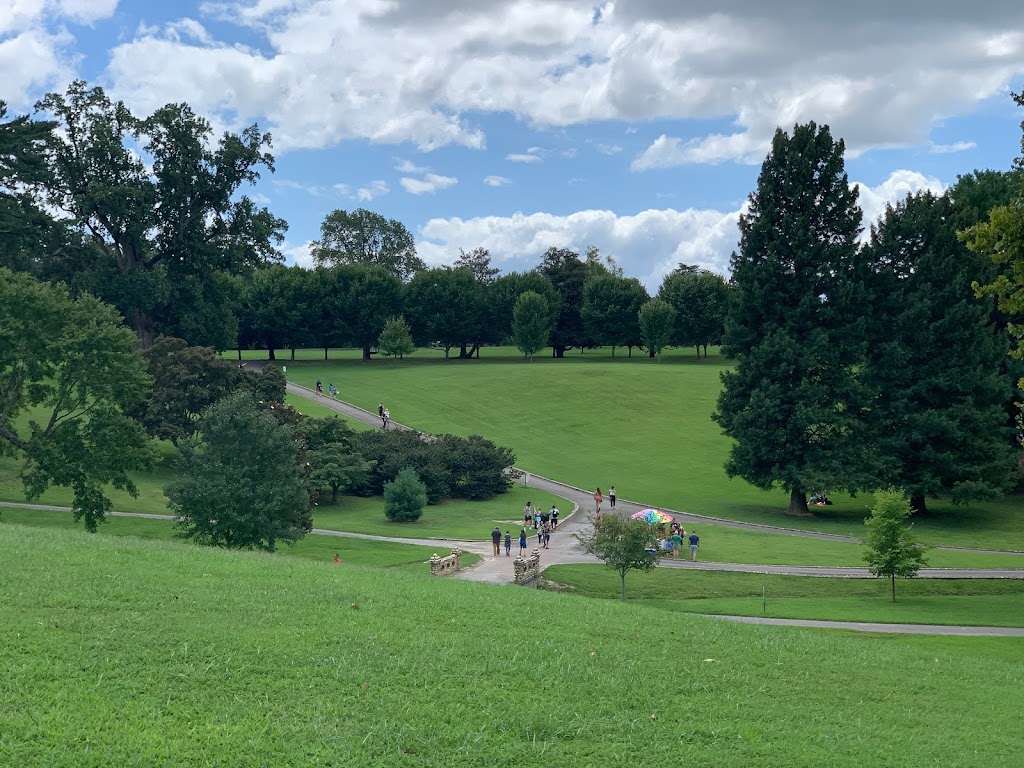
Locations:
(598, 498)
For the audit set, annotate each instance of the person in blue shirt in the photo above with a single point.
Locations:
(694, 542)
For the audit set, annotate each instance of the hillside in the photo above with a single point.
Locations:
(125, 652)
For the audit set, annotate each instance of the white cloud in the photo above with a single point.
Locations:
(648, 244)
(667, 152)
(609, 149)
(405, 166)
(496, 181)
(429, 184)
(374, 189)
(522, 158)
(945, 149)
(300, 254)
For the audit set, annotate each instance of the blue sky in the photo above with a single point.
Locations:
(637, 126)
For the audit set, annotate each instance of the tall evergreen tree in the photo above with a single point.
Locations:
(935, 359)
(794, 403)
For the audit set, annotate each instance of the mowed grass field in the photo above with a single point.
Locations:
(118, 651)
(640, 425)
(972, 602)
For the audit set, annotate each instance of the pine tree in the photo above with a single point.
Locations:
(935, 359)
(794, 403)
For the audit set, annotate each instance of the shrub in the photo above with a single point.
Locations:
(405, 497)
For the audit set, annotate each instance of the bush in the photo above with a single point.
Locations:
(476, 467)
(405, 497)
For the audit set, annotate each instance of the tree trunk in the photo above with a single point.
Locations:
(325, 353)
(613, 351)
(797, 502)
(366, 352)
(705, 350)
(559, 352)
(270, 354)
(334, 494)
(293, 354)
(142, 324)
(650, 353)
(462, 351)
(918, 505)
(894, 587)
(623, 576)
(697, 347)
(630, 350)
(239, 354)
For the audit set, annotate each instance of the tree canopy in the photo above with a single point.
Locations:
(624, 545)
(367, 238)
(69, 365)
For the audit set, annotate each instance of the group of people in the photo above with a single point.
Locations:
(535, 517)
(385, 416)
(496, 540)
(331, 389)
(672, 540)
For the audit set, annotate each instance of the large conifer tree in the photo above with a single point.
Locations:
(935, 359)
(794, 403)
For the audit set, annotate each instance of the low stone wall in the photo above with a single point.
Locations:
(442, 566)
(527, 569)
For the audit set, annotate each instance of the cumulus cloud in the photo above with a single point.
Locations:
(667, 152)
(322, 72)
(374, 189)
(945, 149)
(515, 157)
(496, 181)
(298, 253)
(429, 184)
(647, 245)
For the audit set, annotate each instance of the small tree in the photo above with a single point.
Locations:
(622, 544)
(891, 548)
(396, 338)
(531, 323)
(405, 497)
(337, 466)
(241, 486)
(657, 321)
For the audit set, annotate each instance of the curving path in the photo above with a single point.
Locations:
(866, 626)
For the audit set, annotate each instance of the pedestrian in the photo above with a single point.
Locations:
(380, 410)
(547, 535)
(677, 544)
(496, 540)
(536, 519)
(337, 560)
(528, 515)
(554, 516)
(387, 418)
(522, 542)
(694, 542)
(540, 534)
(611, 497)
(319, 388)
(508, 544)
(598, 498)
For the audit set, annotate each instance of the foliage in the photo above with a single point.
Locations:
(531, 323)
(936, 359)
(891, 549)
(71, 362)
(445, 305)
(165, 233)
(657, 319)
(501, 297)
(624, 545)
(276, 308)
(241, 486)
(186, 381)
(331, 455)
(610, 306)
(404, 497)
(477, 261)
(374, 296)
(795, 404)
(701, 301)
(396, 338)
(268, 386)
(568, 275)
(367, 238)
(475, 466)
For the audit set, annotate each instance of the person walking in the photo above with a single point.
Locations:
(380, 410)
(319, 388)
(546, 537)
(677, 544)
(554, 516)
(387, 418)
(694, 543)
(611, 497)
(528, 515)
(496, 540)
(508, 544)
(598, 498)
(522, 542)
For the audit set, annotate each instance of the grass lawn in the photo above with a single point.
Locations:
(638, 424)
(379, 554)
(944, 647)
(978, 602)
(118, 651)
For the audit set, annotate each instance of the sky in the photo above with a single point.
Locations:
(636, 126)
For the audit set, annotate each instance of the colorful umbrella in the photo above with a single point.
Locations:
(652, 516)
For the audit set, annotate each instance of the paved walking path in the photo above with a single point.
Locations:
(866, 626)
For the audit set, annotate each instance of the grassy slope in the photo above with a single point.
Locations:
(977, 602)
(642, 426)
(121, 652)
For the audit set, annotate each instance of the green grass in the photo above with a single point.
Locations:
(118, 651)
(379, 554)
(945, 647)
(977, 602)
(640, 425)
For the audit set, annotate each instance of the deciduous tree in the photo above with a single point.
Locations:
(71, 363)
(531, 323)
(657, 320)
(241, 484)
(610, 306)
(568, 275)
(624, 545)
(396, 338)
(445, 305)
(367, 238)
(891, 549)
(701, 301)
(374, 296)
